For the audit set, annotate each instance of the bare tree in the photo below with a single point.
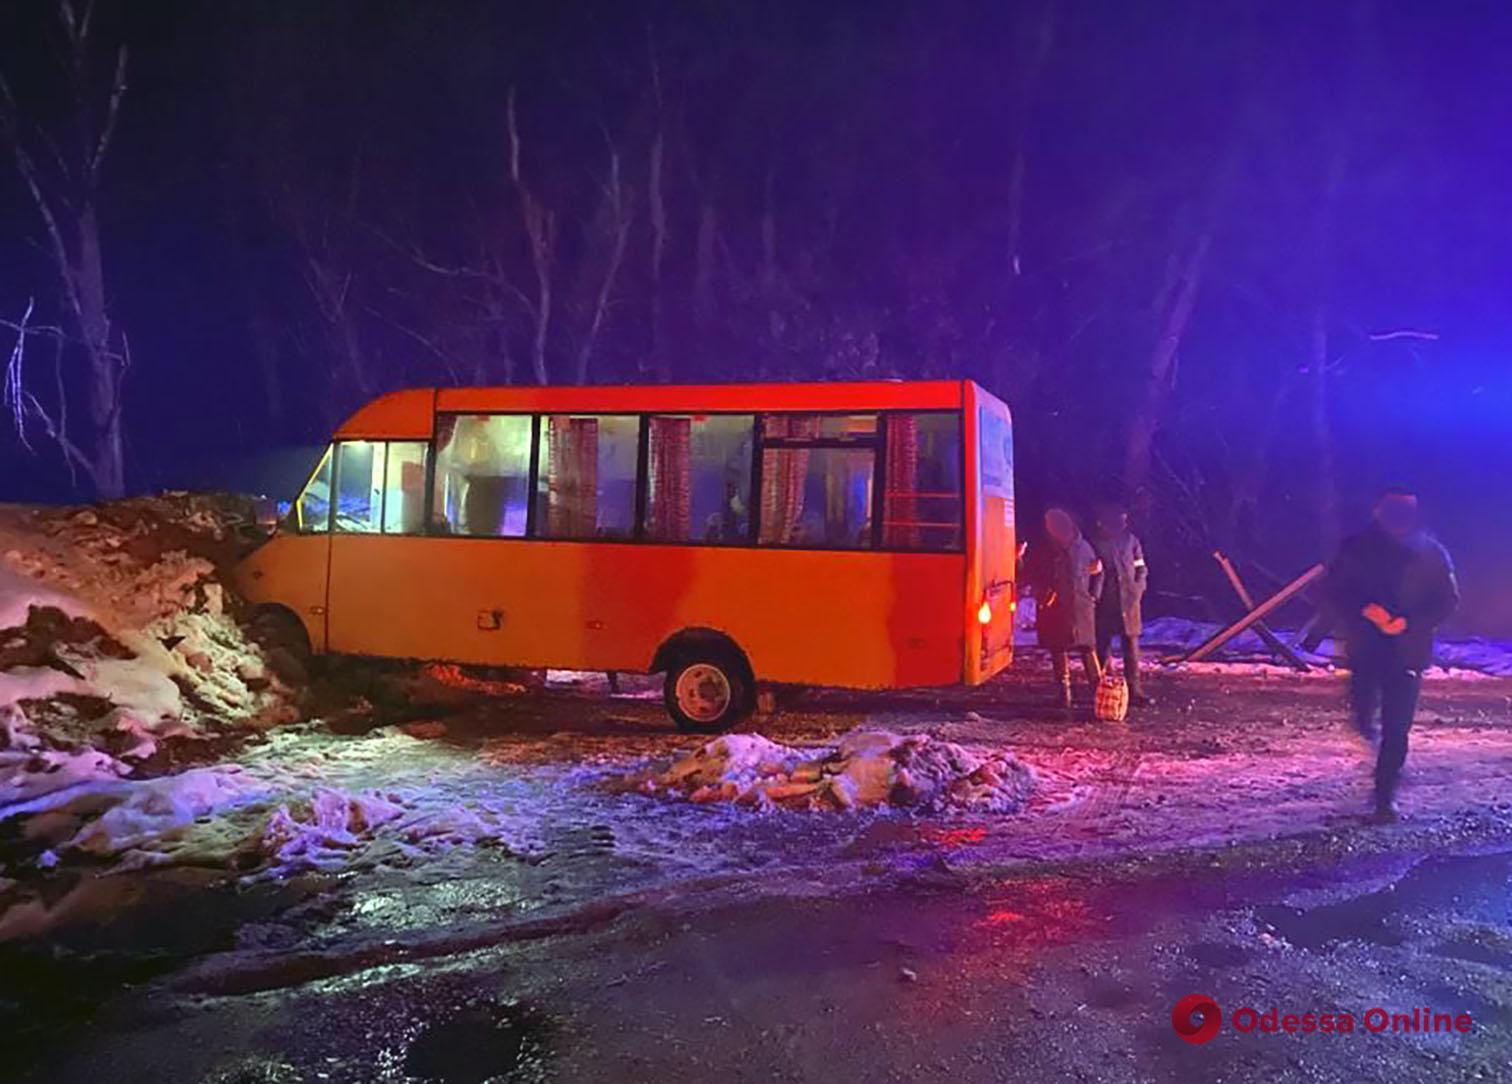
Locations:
(61, 172)
(539, 224)
(655, 192)
(1177, 315)
(614, 220)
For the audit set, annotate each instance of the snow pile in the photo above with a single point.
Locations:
(334, 830)
(284, 809)
(867, 769)
(327, 828)
(1486, 656)
(1178, 635)
(115, 634)
(157, 812)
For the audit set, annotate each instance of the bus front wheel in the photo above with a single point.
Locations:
(708, 691)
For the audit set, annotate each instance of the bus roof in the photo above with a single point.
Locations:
(408, 414)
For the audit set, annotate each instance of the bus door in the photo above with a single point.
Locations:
(996, 555)
(377, 597)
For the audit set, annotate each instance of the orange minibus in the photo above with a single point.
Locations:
(845, 534)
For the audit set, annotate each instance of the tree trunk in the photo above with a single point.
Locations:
(1157, 385)
(104, 384)
(1324, 471)
(1325, 474)
(660, 363)
(63, 182)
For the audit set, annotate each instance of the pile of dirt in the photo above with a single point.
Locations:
(117, 634)
(868, 769)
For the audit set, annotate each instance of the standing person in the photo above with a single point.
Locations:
(1067, 578)
(1392, 585)
(1119, 607)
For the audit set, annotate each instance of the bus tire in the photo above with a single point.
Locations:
(285, 644)
(708, 690)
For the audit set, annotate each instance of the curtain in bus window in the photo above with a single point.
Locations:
(900, 523)
(784, 474)
(588, 468)
(482, 474)
(404, 488)
(699, 478)
(923, 505)
(823, 494)
(359, 486)
(669, 510)
(571, 477)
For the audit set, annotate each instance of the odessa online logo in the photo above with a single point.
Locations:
(1196, 1018)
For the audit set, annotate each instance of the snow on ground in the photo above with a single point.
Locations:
(1248, 654)
(866, 769)
(114, 635)
(302, 801)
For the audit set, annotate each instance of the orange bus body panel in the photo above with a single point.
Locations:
(400, 415)
(859, 619)
(290, 570)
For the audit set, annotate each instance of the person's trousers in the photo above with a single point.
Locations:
(1130, 645)
(1060, 660)
(1382, 688)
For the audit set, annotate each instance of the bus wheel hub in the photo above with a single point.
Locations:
(703, 692)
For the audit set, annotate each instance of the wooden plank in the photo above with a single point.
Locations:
(1279, 647)
(1259, 613)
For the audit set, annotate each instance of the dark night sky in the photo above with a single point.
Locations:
(885, 134)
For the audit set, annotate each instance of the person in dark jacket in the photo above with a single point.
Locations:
(1391, 586)
(1067, 579)
(1119, 607)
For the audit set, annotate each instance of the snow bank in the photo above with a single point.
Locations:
(1486, 656)
(868, 769)
(20, 594)
(1176, 634)
(286, 808)
(158, 810)
(115, 635)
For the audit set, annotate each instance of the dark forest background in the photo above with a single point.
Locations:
(1239, 262)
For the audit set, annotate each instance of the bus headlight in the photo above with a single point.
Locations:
(984, 615)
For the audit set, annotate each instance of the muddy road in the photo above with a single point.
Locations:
(1215, 844)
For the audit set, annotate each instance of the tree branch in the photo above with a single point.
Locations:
(112, 112)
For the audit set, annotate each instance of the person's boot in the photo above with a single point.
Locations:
(1385, 811)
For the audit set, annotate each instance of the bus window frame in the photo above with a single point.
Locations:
(430, 467)
(298, 505)
(875, 442)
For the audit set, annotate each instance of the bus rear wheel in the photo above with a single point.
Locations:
(708, 691)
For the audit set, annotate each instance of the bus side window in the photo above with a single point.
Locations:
(315, 501)
(359, 485)
(482, 475)
(404, 488)
(699, 478)
(587, 472)
(816, 480)
(923, 506)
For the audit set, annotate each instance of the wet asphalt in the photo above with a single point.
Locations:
(710, 946)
